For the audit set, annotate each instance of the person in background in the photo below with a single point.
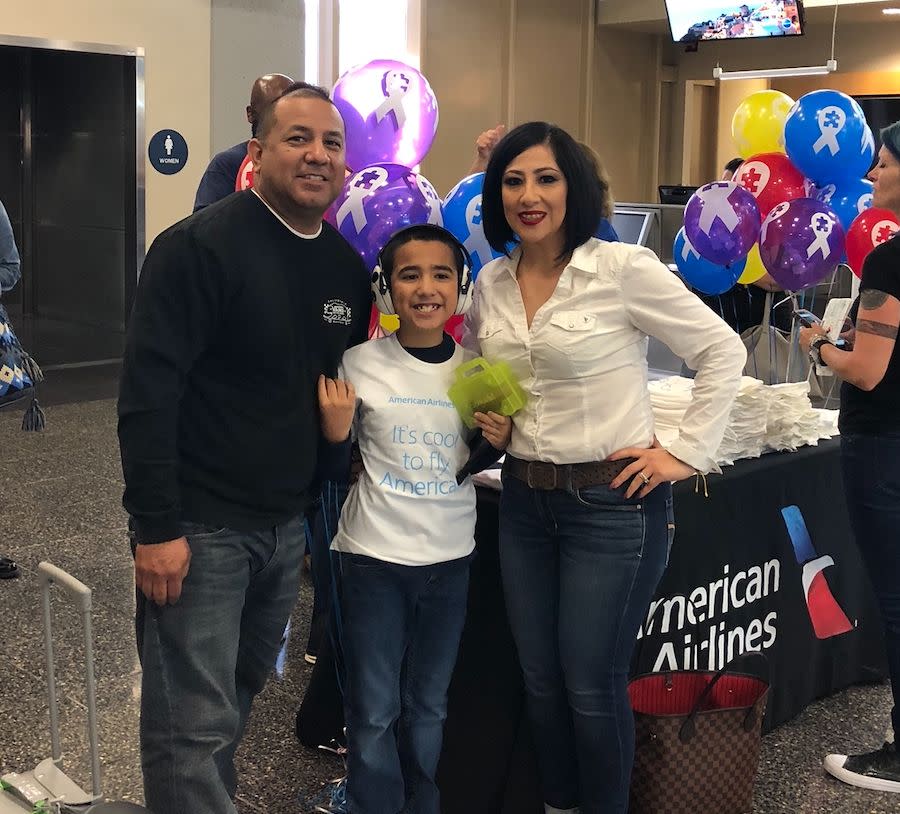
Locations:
(239, 309)
(220, 176)
(730, 168)
(870, 448)
(586, 515)
(10, 274)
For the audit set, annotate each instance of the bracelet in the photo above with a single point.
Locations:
(815, 350)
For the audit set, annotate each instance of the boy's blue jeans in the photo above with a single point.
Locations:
(402, 626)
(205, 658)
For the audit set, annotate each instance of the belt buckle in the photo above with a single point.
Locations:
(530, 468)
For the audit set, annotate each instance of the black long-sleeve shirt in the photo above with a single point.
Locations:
(235, 318)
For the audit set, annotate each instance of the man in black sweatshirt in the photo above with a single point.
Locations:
(239, 309)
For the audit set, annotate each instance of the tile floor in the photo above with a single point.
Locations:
(59, 500)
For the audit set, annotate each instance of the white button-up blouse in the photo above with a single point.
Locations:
(583, 361)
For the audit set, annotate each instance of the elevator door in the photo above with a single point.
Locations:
(77, 203)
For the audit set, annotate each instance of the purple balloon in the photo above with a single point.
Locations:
(379, 200)
(801, 242)
(390, 113)
(721, 220)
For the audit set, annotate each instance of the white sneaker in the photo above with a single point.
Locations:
(879, 770)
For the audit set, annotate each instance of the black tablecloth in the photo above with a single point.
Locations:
(734, 543)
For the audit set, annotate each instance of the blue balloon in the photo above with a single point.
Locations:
(827, 137)
(848, 198)
(462, 218)
(701, 273)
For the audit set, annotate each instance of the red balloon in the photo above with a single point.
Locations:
(869, 228)
(771, 178)
(454, 327)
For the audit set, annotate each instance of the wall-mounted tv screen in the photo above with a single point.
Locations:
(700, 20)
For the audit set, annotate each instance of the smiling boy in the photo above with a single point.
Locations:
(406, 532)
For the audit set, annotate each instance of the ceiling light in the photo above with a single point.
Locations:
(773, 73)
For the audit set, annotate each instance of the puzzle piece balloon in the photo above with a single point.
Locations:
(801, 242)
(379, 200)
(770, 178)
(870, 228)
(462, 217)
(700, 273)
(721, 220)
(390, 114)
(827, 137)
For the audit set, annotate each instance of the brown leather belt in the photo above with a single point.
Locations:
(547, 476)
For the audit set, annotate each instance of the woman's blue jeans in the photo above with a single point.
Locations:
(579, 570)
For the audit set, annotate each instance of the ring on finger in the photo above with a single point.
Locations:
(644, 477)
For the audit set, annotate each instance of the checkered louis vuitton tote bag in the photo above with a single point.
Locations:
(697, 740)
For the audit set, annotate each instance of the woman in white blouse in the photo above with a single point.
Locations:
(586, 511)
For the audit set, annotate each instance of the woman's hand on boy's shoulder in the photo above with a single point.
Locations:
(337, 404)
(496, 428)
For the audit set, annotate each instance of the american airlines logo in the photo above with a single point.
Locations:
(827, 617)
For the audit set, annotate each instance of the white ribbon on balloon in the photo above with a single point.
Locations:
(476, 243)
(831, 121)
(363, 185)
(432, 199)
(395, 86)
(715, 205)
(822, 226)
(776, 213)
(826, 193)
(867, 142)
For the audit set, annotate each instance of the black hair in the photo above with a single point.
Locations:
(732, 165)
(584, 198)
(890, 138)
(428, 232)
(300, 90)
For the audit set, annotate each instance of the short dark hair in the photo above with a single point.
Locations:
(584, 199)
(732, 165)
(890, 138)
(427, 232)
(300, 90)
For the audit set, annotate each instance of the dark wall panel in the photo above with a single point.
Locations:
(80, 198)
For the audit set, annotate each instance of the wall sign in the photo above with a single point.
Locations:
(168, 152)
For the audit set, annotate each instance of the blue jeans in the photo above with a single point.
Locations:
(206, 657)
(402, 626)
(579, 570)
(871, 469)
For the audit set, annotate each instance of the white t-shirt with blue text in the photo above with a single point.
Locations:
(406, 507)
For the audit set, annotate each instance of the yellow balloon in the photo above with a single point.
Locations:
(390, 322)
(754, 269)
(758, 123)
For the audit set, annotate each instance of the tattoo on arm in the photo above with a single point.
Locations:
(872, 298)
(868, 326)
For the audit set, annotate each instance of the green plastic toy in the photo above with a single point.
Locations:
(482, 387)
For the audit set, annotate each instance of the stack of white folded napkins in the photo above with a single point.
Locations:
(764, 417)
(793, 422)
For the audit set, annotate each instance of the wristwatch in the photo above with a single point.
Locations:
(815, 350)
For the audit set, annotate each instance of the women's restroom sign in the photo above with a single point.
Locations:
(168, 152)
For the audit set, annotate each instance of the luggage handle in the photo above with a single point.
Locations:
(49, 574)
(688, 728)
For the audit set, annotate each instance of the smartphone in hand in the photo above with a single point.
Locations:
(806, 318)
